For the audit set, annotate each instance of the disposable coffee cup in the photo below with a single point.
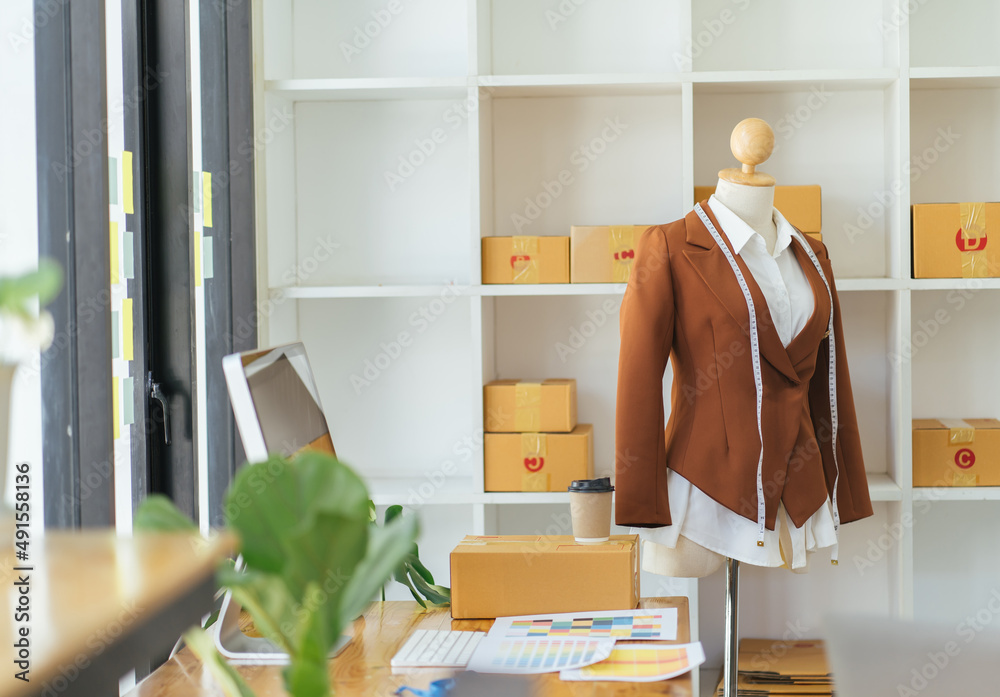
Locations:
(590, 508)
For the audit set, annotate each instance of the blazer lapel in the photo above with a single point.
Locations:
(715, 271)
(803, 344)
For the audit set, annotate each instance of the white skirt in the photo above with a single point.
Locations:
(704, 521)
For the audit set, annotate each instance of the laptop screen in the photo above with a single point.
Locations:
(286, 400)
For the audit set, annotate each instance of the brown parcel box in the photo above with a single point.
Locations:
(538, 461)
(534, 574)
(514, 406)
(602, 253)
(956, 240)
(956, 452)
(525, 260)
(801, 205)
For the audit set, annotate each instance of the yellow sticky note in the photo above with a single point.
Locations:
(127, 329)
(115, 389)
(206, 199)
(197, 259)
(127, 181)
(114, 253)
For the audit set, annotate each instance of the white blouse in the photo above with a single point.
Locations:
(693, 513)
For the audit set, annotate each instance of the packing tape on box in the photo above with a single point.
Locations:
(972, 239)
(524, 259)
(959, 431)
(534, 447)
(535, 481)
(964, 479)
(622, 240)
(527, 406)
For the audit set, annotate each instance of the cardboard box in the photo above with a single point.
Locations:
(534, 574)
(956, 240)
(525, 260)
(602, 253)
(538, 461)
(513, 406)
(802, 206)
(956, 452)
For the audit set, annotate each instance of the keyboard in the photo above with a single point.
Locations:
(434, 648)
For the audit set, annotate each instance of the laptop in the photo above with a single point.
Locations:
(278, 411)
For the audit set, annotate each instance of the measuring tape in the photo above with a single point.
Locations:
(759, 383)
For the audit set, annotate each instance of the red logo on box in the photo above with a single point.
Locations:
(627, 254)
(519, 257)
(970, 244)
(965, 458)
(533, 464)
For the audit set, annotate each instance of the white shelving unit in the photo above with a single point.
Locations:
(393, 136)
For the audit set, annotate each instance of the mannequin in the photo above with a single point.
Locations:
(750, 195)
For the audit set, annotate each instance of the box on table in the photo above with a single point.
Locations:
(538, 461)
(525, 260)
(534, 574)
(802, 205)
(952, 240)
(602, 253)
(512, 406)
(956, 452)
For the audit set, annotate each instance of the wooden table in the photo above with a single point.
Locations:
(99, 605)
(363, 669)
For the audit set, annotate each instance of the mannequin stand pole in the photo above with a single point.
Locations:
(730, 669)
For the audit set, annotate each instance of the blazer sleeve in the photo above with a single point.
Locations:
(853, 498)
(647, 327)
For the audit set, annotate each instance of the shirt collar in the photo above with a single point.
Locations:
(739, 233)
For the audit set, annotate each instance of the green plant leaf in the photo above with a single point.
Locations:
(16, 293)
(437, 595)
(414, 562)
(393, 512)
(157, 513)
(387, 548)
(202, 645)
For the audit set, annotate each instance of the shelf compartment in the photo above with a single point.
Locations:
(365, 354)
(957, 33)
(952, 351)
(374, 181)
(364, 38)
(728, 34)
(835, 139)
(562, 161)
(954, 153)
(528, 37)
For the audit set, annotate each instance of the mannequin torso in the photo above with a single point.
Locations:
(754, 205)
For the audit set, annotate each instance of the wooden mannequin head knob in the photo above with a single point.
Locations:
(752, 143)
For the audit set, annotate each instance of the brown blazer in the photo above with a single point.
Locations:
(683, 301)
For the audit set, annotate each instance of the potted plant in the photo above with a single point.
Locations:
(314, 559)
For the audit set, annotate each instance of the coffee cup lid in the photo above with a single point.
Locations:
(592, 486)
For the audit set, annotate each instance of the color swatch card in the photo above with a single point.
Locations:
(622, 625)
(642, 663)
(523, 655)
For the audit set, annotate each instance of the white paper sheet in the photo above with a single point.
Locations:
(622, 625)
(642, 662)
(496, 654)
